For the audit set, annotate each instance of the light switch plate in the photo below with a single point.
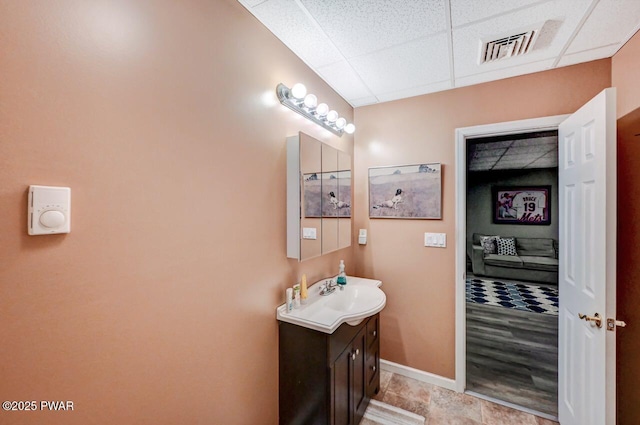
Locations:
(438, 240)
(362, 237)
(309, 233)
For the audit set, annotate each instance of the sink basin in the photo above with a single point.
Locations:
(361, 298)
(355, 298)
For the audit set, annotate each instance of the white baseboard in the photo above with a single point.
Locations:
(417, 374)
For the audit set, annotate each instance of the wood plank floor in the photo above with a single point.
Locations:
(512, 356)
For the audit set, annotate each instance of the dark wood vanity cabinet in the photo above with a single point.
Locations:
(328, 379)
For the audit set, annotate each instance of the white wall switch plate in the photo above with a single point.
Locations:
(362, 237)
(309, 233)
(48, 210)
(438, 240)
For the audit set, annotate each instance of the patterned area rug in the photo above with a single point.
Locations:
(379, 413)
(521, 296)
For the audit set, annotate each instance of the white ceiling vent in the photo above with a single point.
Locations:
(517, 43)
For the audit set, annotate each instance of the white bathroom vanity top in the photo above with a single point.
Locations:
(361, 298)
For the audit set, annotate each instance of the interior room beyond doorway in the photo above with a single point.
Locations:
(512, 269)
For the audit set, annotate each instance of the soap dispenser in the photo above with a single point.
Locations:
(342, 276)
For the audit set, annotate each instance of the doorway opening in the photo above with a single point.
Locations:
(463, 138)
(511, 284)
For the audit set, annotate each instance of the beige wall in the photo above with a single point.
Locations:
(418, 322)
(624, 74)
(159, 306)
(625, 71)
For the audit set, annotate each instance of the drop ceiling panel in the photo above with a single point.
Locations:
(344, 80)
(561, 17)
(492, 145)
(487, 153)
(289, 23)
(417, 63)
(589, 55)
(535, 152)
(536, 141)
(499, 74)
(530, 150)
(485, 162)
(508, 165)
(525, 157)
(252, 3)
(374, 51)
(551, 155)
(465, 11)
(358, 27)
(609, 23)
(415, 91)
(364, 101)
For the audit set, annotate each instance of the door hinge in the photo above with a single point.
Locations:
(613, 323)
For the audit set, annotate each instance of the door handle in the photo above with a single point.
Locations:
(595, 319)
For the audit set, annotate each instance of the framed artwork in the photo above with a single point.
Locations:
(312, 193)
(406, 191)
(522, 205)
(327, 194)
(336, 194)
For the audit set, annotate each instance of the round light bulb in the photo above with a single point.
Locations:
(311, 101)
(322, 109)
(340, 123)
(299, 91)
(332, 116)
(350, 128)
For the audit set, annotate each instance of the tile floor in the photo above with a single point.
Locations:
(442, 406)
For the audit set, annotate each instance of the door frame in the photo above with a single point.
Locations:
(462, 134)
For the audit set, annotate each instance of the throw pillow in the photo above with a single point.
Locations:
(506, 246)
(488, 244)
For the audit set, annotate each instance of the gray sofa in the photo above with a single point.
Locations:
(537, 260)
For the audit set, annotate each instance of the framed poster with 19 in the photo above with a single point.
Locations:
(522, 205)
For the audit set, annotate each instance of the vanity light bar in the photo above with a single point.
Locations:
(297, 99)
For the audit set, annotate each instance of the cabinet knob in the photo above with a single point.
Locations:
(357, 352)
(373, 368)
(353, 356)
(374, 333)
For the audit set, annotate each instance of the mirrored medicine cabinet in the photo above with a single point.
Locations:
(318, 198)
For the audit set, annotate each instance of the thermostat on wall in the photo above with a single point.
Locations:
(49, 210)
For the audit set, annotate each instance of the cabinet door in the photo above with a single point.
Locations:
(342, 382)
(372, 358)
(360, 400)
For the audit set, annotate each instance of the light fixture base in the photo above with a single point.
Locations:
(287, 99)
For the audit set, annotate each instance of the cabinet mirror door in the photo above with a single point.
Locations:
(310, 197)
(329, 199)
(344, 200)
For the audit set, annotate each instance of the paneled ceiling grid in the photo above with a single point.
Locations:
(530, 152)
(374, 51)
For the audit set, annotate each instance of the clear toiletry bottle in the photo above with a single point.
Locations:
(289, 295)
(342, 276)
(296, 295)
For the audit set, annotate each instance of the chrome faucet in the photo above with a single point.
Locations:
(329, 286)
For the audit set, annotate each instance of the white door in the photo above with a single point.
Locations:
(587, 272)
